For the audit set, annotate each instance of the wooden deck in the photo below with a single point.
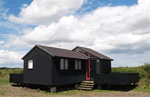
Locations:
(116, 78)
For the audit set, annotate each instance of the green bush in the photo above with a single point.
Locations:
(6, 72)
(146, 67)
(142, 72)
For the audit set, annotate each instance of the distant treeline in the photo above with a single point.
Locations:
(9, 68)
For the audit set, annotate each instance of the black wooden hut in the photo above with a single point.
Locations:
(52, 66)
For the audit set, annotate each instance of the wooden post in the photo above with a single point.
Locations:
(52, 89)
(76, 86)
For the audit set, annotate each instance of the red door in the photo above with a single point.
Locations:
(88, 70)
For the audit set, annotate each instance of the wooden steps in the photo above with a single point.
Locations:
(86, 85)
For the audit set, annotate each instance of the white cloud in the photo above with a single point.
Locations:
(1, 42)
(112, 30)
(106, 28)
(10, 57)
(45, 11)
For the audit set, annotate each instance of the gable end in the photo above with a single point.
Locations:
(39, 48)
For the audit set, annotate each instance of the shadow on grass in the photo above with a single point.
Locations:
(123, 88)
(63, 88)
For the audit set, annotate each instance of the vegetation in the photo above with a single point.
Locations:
(144, 73)
(143, 84)
(4, 81)
(4, 73)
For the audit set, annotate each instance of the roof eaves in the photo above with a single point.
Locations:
(71, 57)
(74, 48)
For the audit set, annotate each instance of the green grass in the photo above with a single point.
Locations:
(97, 90)
(2, 92)
(68, 92)
(143, 84)
(71, 92)
(141, 90)
(4, 81)
(4, 73)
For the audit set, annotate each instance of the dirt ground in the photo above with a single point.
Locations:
(18, 91)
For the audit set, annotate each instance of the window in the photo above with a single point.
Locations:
(86, 53)
(78, 65)
(80, 50)
(76, 49)
(30, 64)
(64, 64)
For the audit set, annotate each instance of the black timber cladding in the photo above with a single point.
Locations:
(105, 66)
(42, 68)
(116, 78)
(16, 78)
(67, 76)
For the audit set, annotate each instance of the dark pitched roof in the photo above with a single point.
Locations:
(58, 52)
(97, 54)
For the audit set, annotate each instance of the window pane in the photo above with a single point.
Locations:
(62, 64)
(76, 65)
(76, 49)
(79, 64)
(30, 64)
(85, 53)
(80, 50)
(66, 64)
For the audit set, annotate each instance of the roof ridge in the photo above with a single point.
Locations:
(45, 50)
(55, 47)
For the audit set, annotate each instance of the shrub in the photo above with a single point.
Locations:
(142, 72)
(146, 67)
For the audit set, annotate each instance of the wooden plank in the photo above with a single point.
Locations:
(87, 84)
(85, 88)
(88, 81)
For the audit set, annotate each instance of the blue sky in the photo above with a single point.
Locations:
(119, 29)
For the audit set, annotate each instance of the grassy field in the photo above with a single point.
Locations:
(143, 84)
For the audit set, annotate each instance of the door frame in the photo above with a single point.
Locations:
(88, 71)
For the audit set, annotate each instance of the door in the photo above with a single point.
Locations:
(93, 68)
(88, 70)
(98, 67)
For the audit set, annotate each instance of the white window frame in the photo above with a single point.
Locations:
(64, 64)
(30, 64)
(78, 65)
(61, 64)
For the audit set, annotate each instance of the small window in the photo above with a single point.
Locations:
(76, 49)
(64, 64)
(85, 53)
(30, 64)
(80, 50)
(78, 65)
